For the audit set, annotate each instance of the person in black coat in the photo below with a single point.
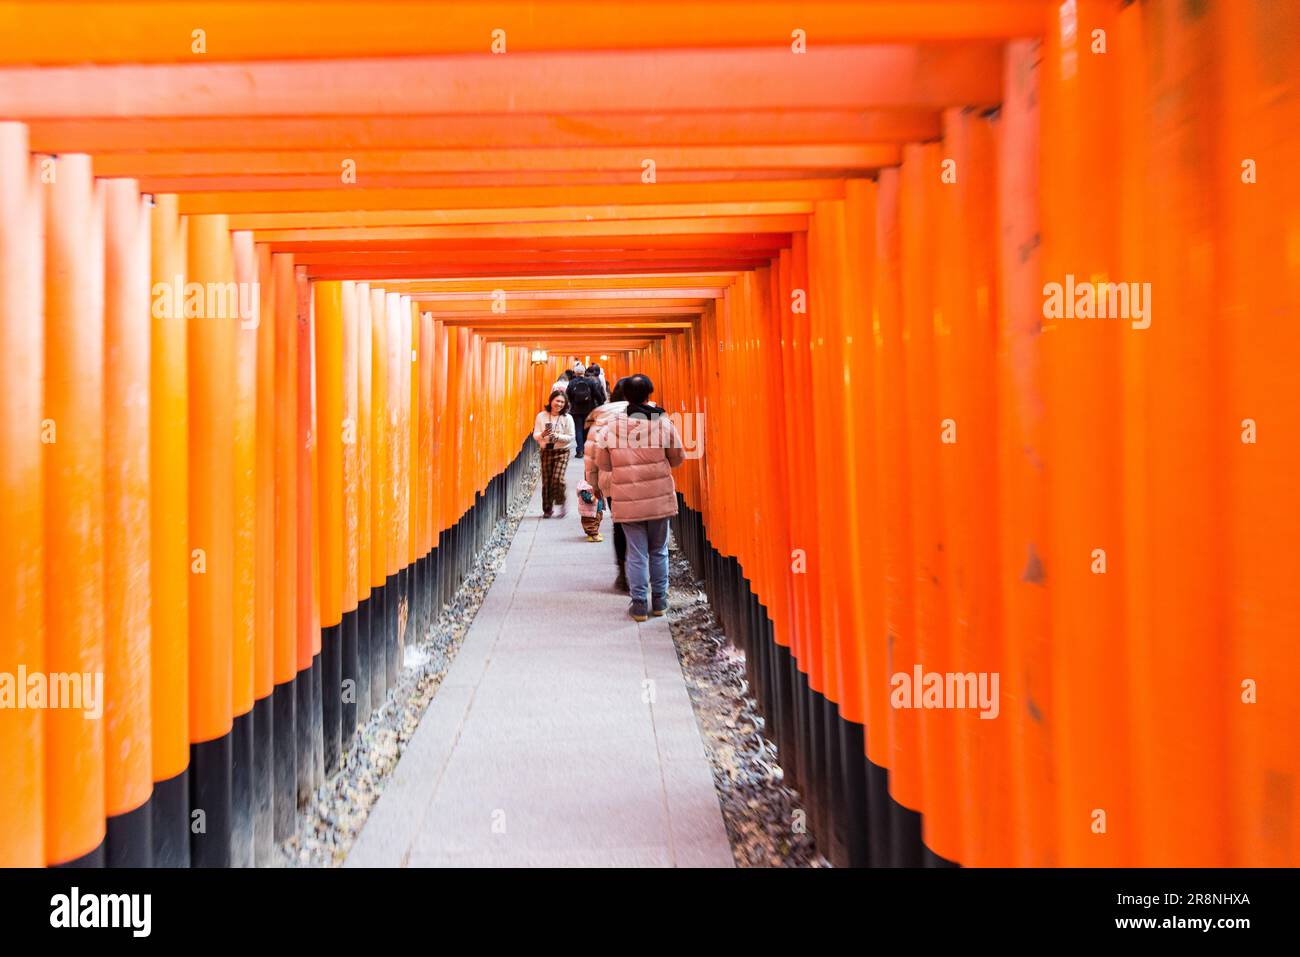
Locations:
(602, 397)
(584, 394)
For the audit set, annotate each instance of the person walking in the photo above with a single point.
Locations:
(584, 395)
(553, 432)
(563, 381)
(591, 509)
(599, 418)
(639, 448)
(602, 393)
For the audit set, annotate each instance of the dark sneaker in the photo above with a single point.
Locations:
(637, 609)
(658, 605)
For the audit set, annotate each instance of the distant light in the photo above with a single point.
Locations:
(604, 358)
(539, 355)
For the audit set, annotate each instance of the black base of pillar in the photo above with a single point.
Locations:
(285, 731)
(263, 782)
(364, 707)
(378, 615)
(170, 808)
(393, 598)
(331, 659)
(241, 791)
(306, 734)
(879, 838)
(128, 840)
(211, 801)
(317, 720)
(349, 671)
(856, 821)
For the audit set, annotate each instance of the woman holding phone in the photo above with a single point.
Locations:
(553, 432)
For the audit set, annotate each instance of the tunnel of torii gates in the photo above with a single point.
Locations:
(825, 231)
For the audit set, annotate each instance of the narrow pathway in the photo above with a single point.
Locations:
(563, 734)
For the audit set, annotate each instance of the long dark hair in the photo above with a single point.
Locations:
(547, 406)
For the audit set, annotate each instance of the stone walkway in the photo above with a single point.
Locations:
(562, 735)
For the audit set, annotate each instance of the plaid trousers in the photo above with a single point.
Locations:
(554, 463)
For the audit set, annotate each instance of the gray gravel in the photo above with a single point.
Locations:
(760, 812)
(339, 808)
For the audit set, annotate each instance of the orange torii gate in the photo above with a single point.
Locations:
(823, 230)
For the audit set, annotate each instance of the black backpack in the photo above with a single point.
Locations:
(580, 394)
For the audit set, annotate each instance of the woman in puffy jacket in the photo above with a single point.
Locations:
(638, 448)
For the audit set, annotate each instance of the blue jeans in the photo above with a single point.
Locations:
(647, 558)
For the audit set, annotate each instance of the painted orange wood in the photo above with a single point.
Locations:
(169, 520)
(212, 346)
(242, 397)
(287, 29)
(22, 580)
(837, 260)
(127, 716)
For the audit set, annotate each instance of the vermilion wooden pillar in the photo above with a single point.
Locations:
(127, 710)
(264, 567)
(245, 305)
(290, 685)
(22, 562)
(74, 504)
(169, 523)
(212, 352)
(347, 518)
